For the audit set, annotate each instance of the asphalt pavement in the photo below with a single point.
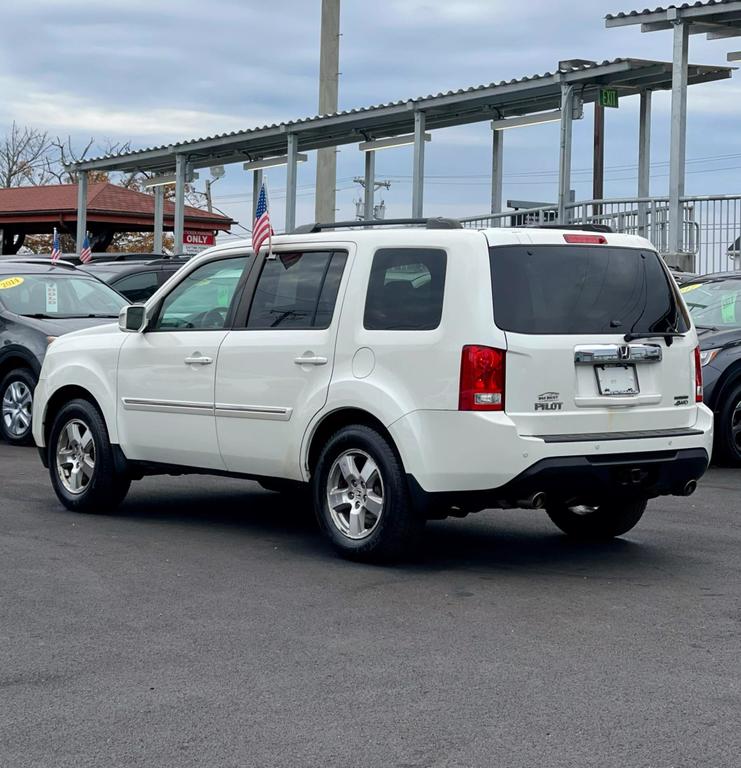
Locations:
(207, 623)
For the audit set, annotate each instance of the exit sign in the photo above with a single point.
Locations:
(608, 97)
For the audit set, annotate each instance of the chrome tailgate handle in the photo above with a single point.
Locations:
(198, 360)
(311, 360)
(618, 353)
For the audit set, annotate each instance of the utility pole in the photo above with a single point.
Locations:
(329, 65)
(366, 209)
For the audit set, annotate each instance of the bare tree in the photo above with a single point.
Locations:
(23, 157)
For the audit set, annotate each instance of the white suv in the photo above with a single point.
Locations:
(401, 373)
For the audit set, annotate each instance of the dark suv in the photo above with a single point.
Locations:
(136, 279)
(38, 302)
(715, 304)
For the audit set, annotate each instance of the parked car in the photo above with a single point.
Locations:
(137, 280)
(38, 303)
(682, 277)
(715, 304)
(400, 374)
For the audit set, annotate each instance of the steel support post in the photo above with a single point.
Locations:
(81, 209)
(418, 171)
(181, 162)
(564, 166)
(370, 184)
(291, 182)
(256, 184)
(644, 161)
(678, 134)
(159, 215)
(497, 162)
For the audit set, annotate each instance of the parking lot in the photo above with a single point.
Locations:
(208, 624)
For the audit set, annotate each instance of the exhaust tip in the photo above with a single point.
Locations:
(689, 488)
(534, 501)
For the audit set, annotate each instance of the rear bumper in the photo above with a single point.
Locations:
(583, 480)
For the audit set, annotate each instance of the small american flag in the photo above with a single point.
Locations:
(55, 252)
(86, 254)
(261, 230)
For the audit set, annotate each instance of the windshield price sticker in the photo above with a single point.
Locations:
(728, 308)
(52, 301)
(10, 282)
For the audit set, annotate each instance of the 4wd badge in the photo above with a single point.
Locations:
(549, 401)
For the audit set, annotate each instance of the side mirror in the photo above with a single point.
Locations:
(133, 318)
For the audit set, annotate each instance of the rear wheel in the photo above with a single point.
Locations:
(728, 428)
(595, 523)
(361, 497)
(16, 391)
(82, 466)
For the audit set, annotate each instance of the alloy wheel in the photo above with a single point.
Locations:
(17, 404)
(355, 494)
(736, 426)
(75, 456)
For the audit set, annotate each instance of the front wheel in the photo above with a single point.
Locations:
(595, 523)
(361, 497)
(17, 403)
(82, 466)
(728, 429)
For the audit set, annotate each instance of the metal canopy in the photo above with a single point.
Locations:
(525, 96)
(716, 18)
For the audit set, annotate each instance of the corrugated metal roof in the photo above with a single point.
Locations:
(709, 4)
(518, 96)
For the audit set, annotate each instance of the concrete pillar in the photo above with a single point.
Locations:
(564, 166)
(644, 161)
(418, 171)
(159, 216)
(370, 184)
(677, 146)
(81, 209)
(256, 185)
(181, 161)
(329, 65)
(291, 182)
(497, 164)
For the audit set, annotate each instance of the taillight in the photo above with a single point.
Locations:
(698, 376)
(482, 379)
(586, 239)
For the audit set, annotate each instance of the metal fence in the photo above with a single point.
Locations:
(711, 225)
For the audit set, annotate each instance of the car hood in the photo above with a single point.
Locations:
(62, 325)
(712, 339)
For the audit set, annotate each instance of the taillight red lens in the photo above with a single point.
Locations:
(482, 379)
(586, 239)
(698, 376)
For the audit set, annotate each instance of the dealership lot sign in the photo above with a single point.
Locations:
(195, 242)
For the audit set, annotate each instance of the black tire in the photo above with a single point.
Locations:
(600, 523)
(107, 485)
(395, 532)
(23, 378)
(728, 419)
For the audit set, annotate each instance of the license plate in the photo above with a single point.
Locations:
(617, 379)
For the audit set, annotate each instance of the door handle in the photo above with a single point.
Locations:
(198, 360)
(311, 360)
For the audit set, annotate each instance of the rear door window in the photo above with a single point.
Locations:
(582, 290)
(405, 289)
(137, 287)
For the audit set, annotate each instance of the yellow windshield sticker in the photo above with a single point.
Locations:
(690, 287)
(10, 282)
(728, 308)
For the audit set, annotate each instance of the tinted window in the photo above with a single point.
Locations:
(582, 289)
(297, 290)
(58, 296)
(405, 290)
(203, 298)
(139, 287)
(715, 302)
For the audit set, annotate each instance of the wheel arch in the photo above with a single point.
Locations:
(730, 378)
(62, 396)
(13, 357)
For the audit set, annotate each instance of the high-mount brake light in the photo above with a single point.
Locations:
(585, 239)
(482, 379)
(698, 376)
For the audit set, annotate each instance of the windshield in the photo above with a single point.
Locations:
(715, 303)
(542, 289)
(59, 296)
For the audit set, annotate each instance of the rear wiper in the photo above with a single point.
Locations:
(667, 335)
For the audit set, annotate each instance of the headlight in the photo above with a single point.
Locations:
(49, 339)
(707, 356)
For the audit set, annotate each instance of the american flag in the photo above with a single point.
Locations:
(86, 254)
(261, 230)
(55, 252)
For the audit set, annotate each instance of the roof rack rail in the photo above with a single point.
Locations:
(604, 228)
(37, 260)
(438, 222)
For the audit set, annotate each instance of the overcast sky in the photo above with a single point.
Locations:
(153, 71)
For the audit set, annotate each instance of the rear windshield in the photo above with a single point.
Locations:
(582, 290)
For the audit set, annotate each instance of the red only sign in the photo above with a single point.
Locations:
(202, 239)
